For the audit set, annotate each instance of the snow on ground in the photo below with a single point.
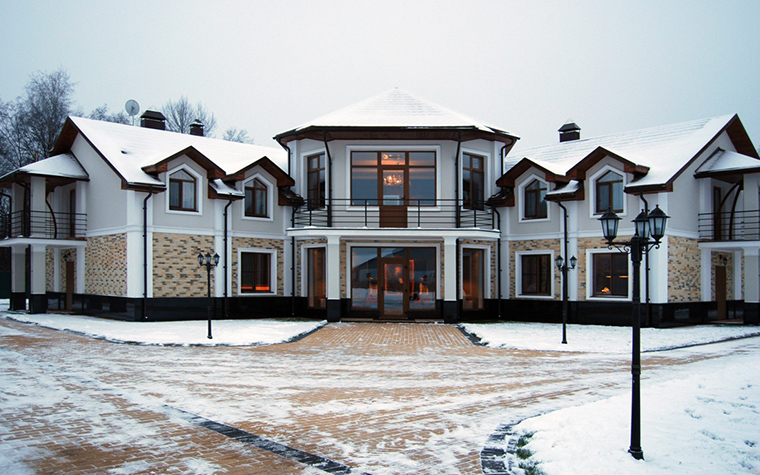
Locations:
(600, 339)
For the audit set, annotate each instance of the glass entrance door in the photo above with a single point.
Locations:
(393, 288)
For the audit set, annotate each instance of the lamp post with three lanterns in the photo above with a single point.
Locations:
(648, 232)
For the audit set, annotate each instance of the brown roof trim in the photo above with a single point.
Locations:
(508, 179)
(283, 179)
(213, 171)
(578, 171)
(330, 133)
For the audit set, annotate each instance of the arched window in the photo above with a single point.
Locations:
(256, 204)
(609, 193)
(535, 200)
(182, 191)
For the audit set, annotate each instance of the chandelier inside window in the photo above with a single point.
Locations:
(393, 179)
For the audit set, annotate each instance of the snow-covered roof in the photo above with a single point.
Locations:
(221, 188)
(568, 189)
(396, 109)
(64, 165)
(129, 149)
(664, 150)
(724, 161)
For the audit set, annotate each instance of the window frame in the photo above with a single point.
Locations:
(592, 256)
(594, 199)
(536, 199)
(197, 198)
(319, 188)
(485, 286)
(521, 193)
(272, 274)
(268, 196)
(469, 202)
(519, 274)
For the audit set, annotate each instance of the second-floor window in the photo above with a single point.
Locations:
(473, 181)
(256, 205)
(535, 200)
(393, 178)
(182, 191)
(609, 193)
(315, 181)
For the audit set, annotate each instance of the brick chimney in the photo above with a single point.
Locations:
(153, 120)
(196, 128)
(569, 131)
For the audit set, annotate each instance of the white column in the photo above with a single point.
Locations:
(334, 276)
(38, 206)
(705, 279)
(751, 275)
(451, 279)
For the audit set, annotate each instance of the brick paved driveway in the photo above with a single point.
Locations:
(372, 398)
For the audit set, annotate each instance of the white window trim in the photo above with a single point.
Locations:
(590, 277)
(518, 274)
(270, 199)
(486, 270)
(521, 200)
(592, 191)
(304, 173)
(272, 271)
(487, 189)
(394, 148)
(198, 195)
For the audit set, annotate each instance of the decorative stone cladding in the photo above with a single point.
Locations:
(105, 259)
(585, 244)
(302, 265)
(684, 270)
(716, 259)
(176, 272)
(547, 245)
(50, 268)
(494, 264)
(263, 244)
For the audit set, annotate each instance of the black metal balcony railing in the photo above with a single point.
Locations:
(402, 214)
(730, 226)
(43, 224)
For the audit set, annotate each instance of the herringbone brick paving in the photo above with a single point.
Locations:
(383, 398)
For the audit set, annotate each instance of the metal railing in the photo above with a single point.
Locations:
(730, 226)
(415, 213)
(43, 224)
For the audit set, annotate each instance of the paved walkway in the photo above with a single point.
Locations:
(350, 398)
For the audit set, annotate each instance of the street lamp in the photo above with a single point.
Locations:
(209, 262)
(563, 268)
(646, 226)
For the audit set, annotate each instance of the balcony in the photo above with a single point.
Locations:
(356, 213)
(43, 224)
(730, 226)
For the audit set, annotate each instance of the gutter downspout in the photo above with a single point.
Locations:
(226, 260)
(10, 212)
(329, 179)
(145, 255)
(646, 271)
(565, 296)
(456, 188)
(293, 264)
(498, 259)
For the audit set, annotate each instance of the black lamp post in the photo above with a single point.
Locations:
(564, 268)
(646, 226)
(209, 262)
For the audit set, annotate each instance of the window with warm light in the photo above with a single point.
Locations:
(317, 278)
(255, 272)
(473, 279)
(182, 191)
(610, 275)
(393, 178)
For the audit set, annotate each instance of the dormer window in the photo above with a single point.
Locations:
(535, 200)
(182, 191)
(609, 193)
(256, 202)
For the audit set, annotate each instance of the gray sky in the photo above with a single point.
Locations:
(526, 66)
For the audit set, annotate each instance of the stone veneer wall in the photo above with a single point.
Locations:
(547, 245)
(50, 269)
(263, 244)
(684, 270)
(716, 259)
(105, 261)
(494, 272)
(176, 272)
(585, 244)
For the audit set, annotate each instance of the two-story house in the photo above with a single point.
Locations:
(115, 220)
(704, 174)
(395, 223)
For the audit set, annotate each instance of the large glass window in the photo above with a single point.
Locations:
(256, 199)
(473, 278)
(393, 178)
(315, 181)
(182, 191)
(535, 274)
(255, 272)
(609, 193)
(317, 286)
(610, 275)
(535, 200)
(473, 181)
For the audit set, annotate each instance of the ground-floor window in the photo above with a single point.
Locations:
(535, 274)
(393, 280)
(317, 285)
(255, 272)
(473, 278)
(610, 275)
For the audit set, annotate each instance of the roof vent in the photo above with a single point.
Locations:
(196, 128)
(569, 131)
(153, 120)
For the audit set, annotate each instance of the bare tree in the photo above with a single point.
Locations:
(102, 113)
(180, 114)
(233, 134)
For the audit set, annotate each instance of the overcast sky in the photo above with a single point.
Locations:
(525, 67)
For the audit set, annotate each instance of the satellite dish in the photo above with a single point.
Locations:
(132, 107)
